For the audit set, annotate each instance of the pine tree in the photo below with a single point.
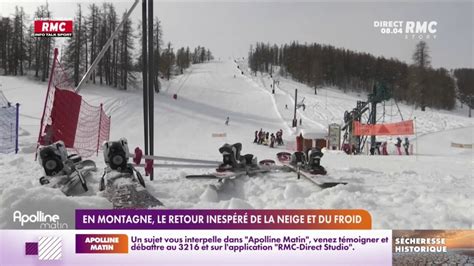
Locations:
(29, 49)
(6, 30)
(167, 61)
(111, 22)
(113, 51)
(421, 60)
(92, 24)
(125, 55)
(209, 56)
(74, 55)
(102, 37)
(465, 86)
(43, 47)
(316, 64)
(18, 41)
(157, 42)
(181, 59)
(188, 57)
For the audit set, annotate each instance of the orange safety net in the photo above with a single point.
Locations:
(389, 129)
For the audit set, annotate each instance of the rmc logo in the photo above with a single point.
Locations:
(421, 27)
(52, 28)
(411, 29)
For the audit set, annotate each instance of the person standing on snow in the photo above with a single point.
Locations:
(377, 147)
(406, 145)
(384, 148)
(256, 137)
(227, 121)
(272, 141)
(281, 137)
(399, 145)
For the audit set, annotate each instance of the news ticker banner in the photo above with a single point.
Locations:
(195, 247)
(239, 237)
(236, 247)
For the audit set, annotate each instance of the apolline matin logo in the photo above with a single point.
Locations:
(408, 29)
(46, 221)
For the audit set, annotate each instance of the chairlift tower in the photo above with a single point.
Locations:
(379, 94)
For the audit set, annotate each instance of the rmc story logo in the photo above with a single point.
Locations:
(45, 221)
(412, 30)
(45, 27)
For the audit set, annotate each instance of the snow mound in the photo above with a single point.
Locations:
(17, 161)
(209, 195)
(28, 148)
(409, 172)
(292, 191)
(47, 200)
(235, 203)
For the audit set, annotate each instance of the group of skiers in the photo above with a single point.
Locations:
(406, 145)
(398, 144)
(267, 138)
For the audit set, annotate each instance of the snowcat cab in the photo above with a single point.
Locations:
(298, 158)
(116, 154)
(231, 154)
(53, 157)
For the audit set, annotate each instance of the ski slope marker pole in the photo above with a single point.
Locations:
(145, 75)
(416, 137)
(151, 77)
(17, 126)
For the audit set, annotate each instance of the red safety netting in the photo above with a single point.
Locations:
(67, 117)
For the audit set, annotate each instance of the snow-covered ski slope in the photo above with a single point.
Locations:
(431, 190)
